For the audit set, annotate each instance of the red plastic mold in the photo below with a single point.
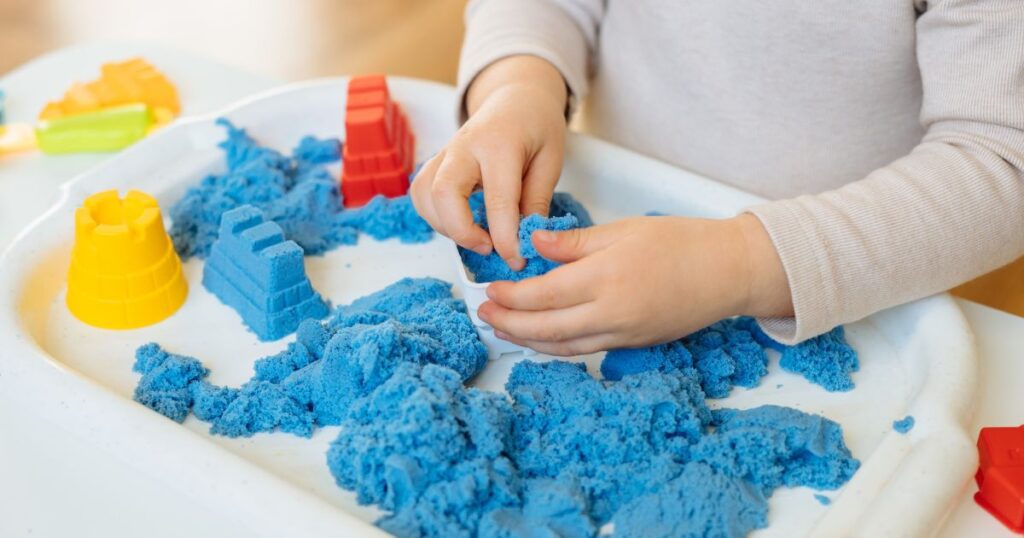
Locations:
(378, 151)
(1000, 475)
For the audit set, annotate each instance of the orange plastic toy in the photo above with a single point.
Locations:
(378, 150)
(124, 271)
(121, 83)
(1000, 475)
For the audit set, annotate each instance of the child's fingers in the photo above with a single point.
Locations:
(560, 288)
(419, 191)
(571, 245)
(502, 180)
(456, 177)
(544, 326)
(540, 181)
(567, 348)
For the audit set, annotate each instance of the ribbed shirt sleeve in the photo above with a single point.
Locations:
(563, 32)
(950, 210)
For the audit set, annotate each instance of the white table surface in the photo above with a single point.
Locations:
(53, 484)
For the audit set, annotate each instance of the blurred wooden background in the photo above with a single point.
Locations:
(1002, 288)
(297, 39)
(287, 39)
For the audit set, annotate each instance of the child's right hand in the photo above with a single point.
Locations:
(512, 147)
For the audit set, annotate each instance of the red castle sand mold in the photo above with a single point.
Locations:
(378, 151)
(1000, 475)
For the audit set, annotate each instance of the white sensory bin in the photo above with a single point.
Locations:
(917, 359)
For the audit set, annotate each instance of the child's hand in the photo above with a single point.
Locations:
(639, 282)
(511, 146)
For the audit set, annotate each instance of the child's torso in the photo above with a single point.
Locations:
(779, 98)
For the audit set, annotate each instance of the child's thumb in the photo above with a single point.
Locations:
(570, 245)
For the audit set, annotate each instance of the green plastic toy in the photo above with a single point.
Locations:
(109, 129)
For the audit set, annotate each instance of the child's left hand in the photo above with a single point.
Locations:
(639, 282)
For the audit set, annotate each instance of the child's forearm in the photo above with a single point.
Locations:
(768, 294)
(535, 77)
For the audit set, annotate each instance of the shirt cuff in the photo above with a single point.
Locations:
(809, 269)
(497, 29)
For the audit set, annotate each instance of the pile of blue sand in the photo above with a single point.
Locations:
(570, 453)
(331, 364)
(614, 440)
(166, 381)
(297, 192)
(772, 446)
(565, 214)
(253, 269)
(732, 352)
(904, 425)
(826, 360)
(561, 455)
(432, 452)
(698, 502)
(722, 355)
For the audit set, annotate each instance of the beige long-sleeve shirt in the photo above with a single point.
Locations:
(889, 132)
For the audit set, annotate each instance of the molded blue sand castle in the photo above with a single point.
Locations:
(253, 269)
(492, 267)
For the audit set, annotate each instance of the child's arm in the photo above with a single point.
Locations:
(950, 210)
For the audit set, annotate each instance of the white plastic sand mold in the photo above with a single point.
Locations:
(916, 359)
(475, 294)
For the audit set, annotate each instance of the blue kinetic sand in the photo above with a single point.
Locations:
(253, 269)
(721, 355)
(492, 267)
(416, 440)
(569, 453)
(699, 502)
(563, 203)
(822, 499)
(330, 365)
(904, 425)
(166, 381)
(298, 193)
(561, 455)
(617, 441)
(732, 352)
(311, 151)
(826, 360)
(549, 508)
(772, 446)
